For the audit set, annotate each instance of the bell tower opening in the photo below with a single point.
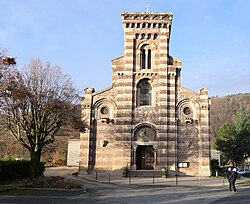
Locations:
(146, 39)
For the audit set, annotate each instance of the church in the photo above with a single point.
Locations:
(146, 120)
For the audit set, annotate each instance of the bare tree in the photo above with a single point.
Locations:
(36, 105)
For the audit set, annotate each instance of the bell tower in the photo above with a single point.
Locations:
(147, 79)
(146, 40)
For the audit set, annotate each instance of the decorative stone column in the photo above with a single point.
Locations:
(133, 166)
(155, 156)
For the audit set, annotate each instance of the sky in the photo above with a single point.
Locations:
(211, 37)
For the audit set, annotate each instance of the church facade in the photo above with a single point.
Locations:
(146, 120)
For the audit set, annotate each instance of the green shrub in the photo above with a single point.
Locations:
(246, 175)
(8, 158)
(220, 173)
(12, 169)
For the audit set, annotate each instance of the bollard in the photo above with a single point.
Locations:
(109, 177)
(129, 180)
(96, 176)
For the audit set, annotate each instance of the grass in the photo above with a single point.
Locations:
(12, 183)
(244, 183)
(52, 182)
(41, 182)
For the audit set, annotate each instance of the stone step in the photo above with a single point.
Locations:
(143, 173)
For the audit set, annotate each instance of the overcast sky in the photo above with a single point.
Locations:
(211, 37)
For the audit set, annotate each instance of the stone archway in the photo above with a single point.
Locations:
(145, 148)
(145, 134)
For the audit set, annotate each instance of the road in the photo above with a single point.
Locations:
(104, 193)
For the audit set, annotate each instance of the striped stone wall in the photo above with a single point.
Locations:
(178, 117)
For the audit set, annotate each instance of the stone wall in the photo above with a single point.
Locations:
(168, 125)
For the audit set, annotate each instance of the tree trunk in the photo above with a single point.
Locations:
(35, 156)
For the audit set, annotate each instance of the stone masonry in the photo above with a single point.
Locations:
(146, 119)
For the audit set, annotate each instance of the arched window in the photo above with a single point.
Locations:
(149, 59)
(155, 36)
(144, 93)
(145, 57)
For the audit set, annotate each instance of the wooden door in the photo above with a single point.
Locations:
(145, 157)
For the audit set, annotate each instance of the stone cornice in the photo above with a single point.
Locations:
(147, 15)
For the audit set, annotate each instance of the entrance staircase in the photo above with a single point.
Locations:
(142, 173)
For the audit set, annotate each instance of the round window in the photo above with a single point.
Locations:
(104, 110)
(187, 111)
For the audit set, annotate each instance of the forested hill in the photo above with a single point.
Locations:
(224, 108)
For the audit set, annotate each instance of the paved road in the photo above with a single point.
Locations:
(100, 193)
(104, 193)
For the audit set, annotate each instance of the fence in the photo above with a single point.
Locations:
(117, 178)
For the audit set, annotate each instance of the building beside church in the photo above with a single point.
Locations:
(146, 120)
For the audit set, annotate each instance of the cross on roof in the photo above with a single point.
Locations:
(147, 7)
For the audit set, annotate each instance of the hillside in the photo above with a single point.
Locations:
(223, 109)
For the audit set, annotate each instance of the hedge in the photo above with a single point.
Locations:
(14, 169)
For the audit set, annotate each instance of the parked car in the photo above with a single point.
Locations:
(243, 171)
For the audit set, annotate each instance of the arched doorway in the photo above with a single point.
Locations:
(145, 157)
(145, 148)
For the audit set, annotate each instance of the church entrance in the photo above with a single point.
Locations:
(145, 157)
